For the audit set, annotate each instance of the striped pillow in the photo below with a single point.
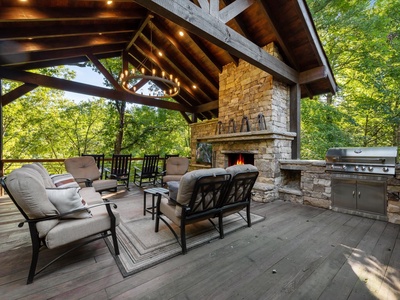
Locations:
(64, 180)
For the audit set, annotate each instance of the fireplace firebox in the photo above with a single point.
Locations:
(240, 159)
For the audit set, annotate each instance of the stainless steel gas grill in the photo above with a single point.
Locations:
(359, 177)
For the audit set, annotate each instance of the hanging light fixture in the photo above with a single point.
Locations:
(130, 79)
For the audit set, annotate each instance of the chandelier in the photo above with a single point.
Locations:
(131, 80)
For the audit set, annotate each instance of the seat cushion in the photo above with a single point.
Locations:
(168, 178)
(71, 230)
(90, 195)
(104, 184)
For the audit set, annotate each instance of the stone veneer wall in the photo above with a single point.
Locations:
(306, 182)
(245, 90)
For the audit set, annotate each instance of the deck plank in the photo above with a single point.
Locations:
(316, 254)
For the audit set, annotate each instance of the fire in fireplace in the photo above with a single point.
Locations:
(240, 159)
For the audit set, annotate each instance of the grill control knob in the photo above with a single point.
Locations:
(344, 167)
(363, 168)
(370, 168)
(356, 168)
(385, 169)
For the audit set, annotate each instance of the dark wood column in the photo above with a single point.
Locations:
(295, 97)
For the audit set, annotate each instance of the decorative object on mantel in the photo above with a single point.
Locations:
(220, 128)
(245, 127)
(231, 126)
(262, 125)
(136, 80)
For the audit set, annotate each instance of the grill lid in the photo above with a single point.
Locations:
(375, 160)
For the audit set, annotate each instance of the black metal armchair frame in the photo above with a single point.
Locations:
(38, 243)
(120, 168)
(238, 197)
(149, 171)
(99, 159)
(205, 200)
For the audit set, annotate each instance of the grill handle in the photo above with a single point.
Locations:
(359, 160)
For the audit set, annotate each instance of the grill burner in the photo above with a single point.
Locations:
(368, 160)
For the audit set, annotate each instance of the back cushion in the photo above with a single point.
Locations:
(48, 183)
(233, 170)
(186, 185)
(27, 188)
(82, 167)
(177, 165)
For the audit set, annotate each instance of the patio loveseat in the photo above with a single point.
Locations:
(58, 211)
(207, 194)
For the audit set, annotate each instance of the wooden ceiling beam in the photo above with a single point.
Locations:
(265, 10)
(233, 9)
(193, 18)
(320, 54)
(173, 68)
(86, 89)
(22, 13)
(46, 30)
(313, 75)
(196, 67)
(17, 92)
(60, 43)
(14, 59)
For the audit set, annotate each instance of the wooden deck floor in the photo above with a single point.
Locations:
(298, 252)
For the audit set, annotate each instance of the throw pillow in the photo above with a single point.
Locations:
(64, 180)
(67, 199)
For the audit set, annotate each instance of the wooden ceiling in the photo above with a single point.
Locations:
(45, 33)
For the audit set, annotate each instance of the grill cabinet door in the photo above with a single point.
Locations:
(344, 193)
(371, 196)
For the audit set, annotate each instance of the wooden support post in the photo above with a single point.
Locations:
(295, 98)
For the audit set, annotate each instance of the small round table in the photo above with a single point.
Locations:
(153, 192)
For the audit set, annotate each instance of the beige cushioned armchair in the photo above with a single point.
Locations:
(58, 216)
(175, 168)
(85, 171)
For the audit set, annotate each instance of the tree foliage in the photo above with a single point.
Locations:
(361, 41)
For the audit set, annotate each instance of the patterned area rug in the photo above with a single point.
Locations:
(142, 248)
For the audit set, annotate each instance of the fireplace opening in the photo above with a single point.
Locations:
(240, 159)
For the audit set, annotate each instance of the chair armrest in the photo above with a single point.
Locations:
(169, 200)
(88, 182)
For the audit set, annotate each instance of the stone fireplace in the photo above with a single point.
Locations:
(253, 124)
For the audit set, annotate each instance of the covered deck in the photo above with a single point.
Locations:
(297, 252)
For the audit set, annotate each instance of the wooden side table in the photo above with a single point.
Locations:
(153, 192)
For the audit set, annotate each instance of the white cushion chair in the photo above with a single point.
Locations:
(85, 171)
(58, 216)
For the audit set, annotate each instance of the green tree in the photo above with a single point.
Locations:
(360, 39)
